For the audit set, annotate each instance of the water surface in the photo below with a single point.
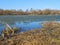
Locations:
(26, 22)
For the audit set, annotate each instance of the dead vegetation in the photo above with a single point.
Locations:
(49, 34)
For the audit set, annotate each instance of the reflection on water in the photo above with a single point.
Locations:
(28, 26)
(24, 25)
(26, 22)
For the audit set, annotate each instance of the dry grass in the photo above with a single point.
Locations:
(43, 36)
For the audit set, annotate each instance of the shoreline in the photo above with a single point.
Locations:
(47, 35)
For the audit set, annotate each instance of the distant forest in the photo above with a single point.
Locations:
(29, 12)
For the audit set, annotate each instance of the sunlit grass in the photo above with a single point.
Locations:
(49, 34)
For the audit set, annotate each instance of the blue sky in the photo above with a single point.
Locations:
(27, 4)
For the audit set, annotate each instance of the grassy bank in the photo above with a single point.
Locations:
(49, 34)
(30, 12)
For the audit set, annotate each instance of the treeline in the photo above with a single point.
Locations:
(29, 12)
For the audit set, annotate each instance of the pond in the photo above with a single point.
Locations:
(26, 22)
